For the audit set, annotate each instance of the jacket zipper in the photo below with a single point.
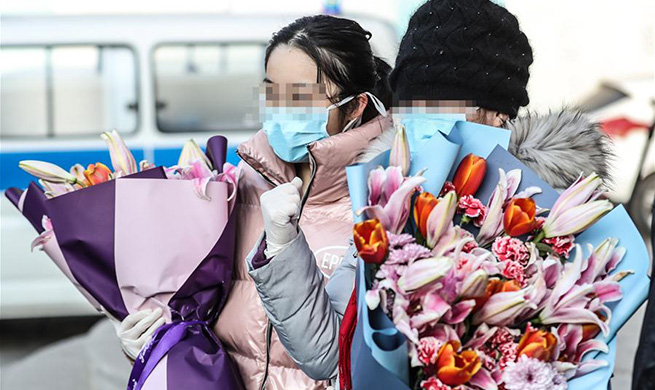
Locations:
(269, 326)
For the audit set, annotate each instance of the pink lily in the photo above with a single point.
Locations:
(121, 157)
(402, 320)
(607, 291)
(400, 156)
(572, 346)
(434, 307)
(507, 186)
(424, 271)
(459, 312)
(394, 214)
(552, 269)
(441, 218)
(602, 260)
(569, 302)
(452, 240)
(56, 189)
(483, 380)
(230, 175)
(577, 208)
(513, 180)
(482, 334)
(580, 192)
(45, 236)
(576, 219)
(382, 183)
(199, 173)
(502, 308)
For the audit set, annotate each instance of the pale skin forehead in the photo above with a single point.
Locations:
(290, 65)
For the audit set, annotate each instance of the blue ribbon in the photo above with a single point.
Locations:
(164, 339)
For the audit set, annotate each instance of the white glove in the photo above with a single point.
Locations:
(280, 209)
(136, 330)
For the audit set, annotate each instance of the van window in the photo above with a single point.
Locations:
(56, 90)
(208, 87)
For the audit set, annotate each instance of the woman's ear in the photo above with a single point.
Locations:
(362, 102)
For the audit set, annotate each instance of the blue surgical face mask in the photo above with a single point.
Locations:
(291, 129)
(421, 126)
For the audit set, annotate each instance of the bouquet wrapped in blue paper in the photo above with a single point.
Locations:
(475, 274)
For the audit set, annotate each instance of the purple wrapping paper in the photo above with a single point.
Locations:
(143, 241)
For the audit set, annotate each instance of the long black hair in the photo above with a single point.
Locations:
(342, 53)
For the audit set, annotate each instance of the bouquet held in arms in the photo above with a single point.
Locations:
(496, 294)
(141, 237)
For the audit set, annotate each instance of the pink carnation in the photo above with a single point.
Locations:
(515, 271)
(561, 245)
(502, 346)
(447, 187)
(433, 383)
(501, 336)
(473, 209)
(507, 354)
(428, 350)
(508, 248)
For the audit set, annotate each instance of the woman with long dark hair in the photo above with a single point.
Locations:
(323, 101)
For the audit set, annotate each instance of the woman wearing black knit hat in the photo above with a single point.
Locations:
(469, 60)
(464, 51)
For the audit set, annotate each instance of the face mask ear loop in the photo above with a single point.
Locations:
(379, 106)
(349, 125)
(341, 103)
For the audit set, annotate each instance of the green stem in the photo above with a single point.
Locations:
(540, 236)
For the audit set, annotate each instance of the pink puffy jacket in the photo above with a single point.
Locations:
(326, 221)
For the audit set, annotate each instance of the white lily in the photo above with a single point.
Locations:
(48, 172)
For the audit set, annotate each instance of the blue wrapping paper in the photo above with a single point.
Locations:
(443, 152)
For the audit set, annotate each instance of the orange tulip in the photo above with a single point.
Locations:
(423, 205)
(537, 344)
(371, 241)
(469, 175)
(97, 173)
(519, 217)
(454, 369)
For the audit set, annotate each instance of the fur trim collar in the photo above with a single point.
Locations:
(557, 146)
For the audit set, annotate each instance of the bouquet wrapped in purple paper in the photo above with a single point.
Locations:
(144, 237)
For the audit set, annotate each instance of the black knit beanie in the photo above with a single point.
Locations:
(464, 50)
